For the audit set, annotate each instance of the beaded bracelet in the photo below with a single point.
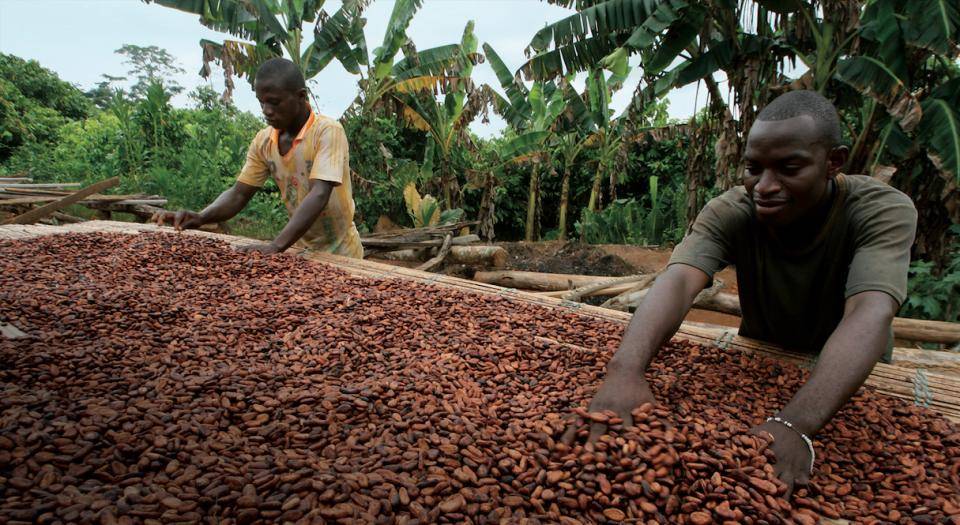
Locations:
(806, 439)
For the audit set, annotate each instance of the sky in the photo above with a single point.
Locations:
(78, 40)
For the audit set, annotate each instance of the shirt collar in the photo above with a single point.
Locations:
(275, 133)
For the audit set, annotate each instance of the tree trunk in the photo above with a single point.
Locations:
(486, 214)
(445, 183)
(530, 230)
(595, 190)
(564, 202)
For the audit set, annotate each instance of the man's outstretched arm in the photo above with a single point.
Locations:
(224, 208)
(301, 220)
(655, 321)
(857, 343)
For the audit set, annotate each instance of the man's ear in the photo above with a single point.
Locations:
(836, 159)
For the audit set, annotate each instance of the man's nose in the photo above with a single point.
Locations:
(768, 183)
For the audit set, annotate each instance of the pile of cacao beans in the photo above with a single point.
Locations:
(168, 378)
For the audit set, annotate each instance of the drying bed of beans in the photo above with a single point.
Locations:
(170, 379)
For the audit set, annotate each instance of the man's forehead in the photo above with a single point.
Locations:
(797, 133)
(271, 84)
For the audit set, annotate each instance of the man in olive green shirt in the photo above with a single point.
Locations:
(821, 261)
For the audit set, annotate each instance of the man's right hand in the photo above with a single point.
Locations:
(620, 392)
(181, 220)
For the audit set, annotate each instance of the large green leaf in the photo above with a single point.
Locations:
(577, 116)
(601, 34)
(512, 85)
(448, 60)
(933, 25)
(873, 78)
(523, 146)
(395, 35)
(333, 39)
(515, 117)
(939, 131)
(655, 24)
(601, 19)
(571, 58)
(243, 58)
(884, 39)
(680, 34)
(228, 16)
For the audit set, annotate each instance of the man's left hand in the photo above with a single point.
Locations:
(793, 457)
(265, 248)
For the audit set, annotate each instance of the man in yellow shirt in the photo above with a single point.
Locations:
(308, 157)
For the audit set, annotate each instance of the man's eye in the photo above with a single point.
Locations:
(754, 170)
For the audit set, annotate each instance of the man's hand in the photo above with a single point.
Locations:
(181, 220)
(620, 392)
(793, 464)
(266, 248)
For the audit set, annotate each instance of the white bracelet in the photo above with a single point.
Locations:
(806, 439)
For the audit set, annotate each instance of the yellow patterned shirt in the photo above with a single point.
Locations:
(319, 151)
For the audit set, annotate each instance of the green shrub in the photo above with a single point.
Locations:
(932, 294)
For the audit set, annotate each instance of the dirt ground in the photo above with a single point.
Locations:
(564, 257)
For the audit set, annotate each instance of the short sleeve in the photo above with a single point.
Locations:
(333, 155)
(709, 245)
(255, 170)
(884, 232)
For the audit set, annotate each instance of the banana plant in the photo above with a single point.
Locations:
(528, 110)
(608, 32)
(515, 149)
(445, 122)
(387, 80)
(264, 29)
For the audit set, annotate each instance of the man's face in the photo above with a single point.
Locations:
(787, 169)
(280, 106)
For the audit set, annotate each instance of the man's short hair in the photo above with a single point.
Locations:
(803, 102)
(284, 72)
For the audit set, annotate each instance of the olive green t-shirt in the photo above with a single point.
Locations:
(795, 298)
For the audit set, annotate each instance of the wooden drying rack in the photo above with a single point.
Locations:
(907, 378)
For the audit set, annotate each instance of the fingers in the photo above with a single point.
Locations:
(803, 479)
(789, 482)
(571, 433)
(179, 219)
(160, 218)
(596, 430)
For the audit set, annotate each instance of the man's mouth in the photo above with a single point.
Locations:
(767, 207)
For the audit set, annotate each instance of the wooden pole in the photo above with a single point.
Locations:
(437, 259)
(536, 281)
(36, 214)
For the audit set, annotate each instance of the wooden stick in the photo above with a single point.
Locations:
(392, 245)
(436, 260)
(641, 285)
(421, 233)
(578, 293)
(63, 217)
(36, 199)
(538, 281)
(14, 180)
(38, 213)
(53, 185)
